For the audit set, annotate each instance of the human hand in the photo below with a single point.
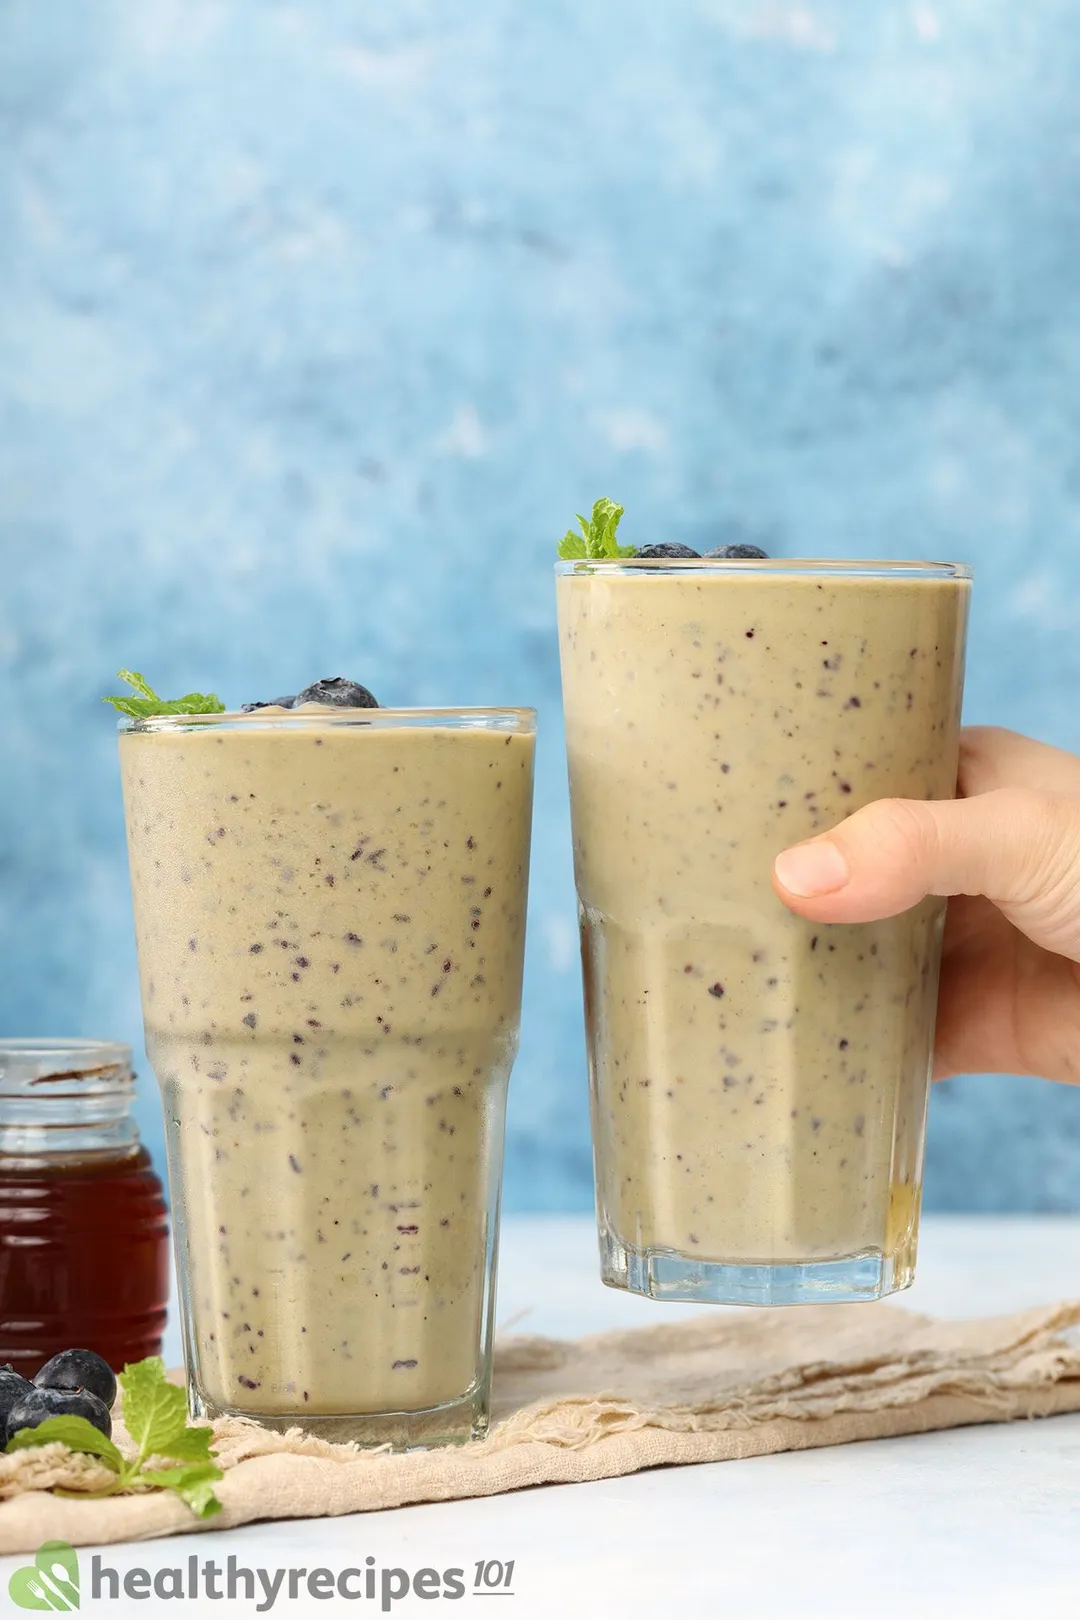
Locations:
(1007, 852)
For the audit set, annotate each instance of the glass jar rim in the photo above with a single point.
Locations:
(315, 717)
(63, 1095)
(65, 1071)
(831, 567)
(71, 1058)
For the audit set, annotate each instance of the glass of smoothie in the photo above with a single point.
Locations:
(758, 1082)
(330, 915)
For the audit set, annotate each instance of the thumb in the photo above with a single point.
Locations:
(1020, 849)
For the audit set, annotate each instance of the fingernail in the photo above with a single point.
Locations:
(811, 869)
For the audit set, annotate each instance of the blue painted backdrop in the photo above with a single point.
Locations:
(318, 321)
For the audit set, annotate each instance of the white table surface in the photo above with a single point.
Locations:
(982, 1522)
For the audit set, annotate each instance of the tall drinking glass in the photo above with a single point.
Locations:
(330, 913)
(758, 1082)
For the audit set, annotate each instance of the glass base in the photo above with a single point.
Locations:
(451, 1424)
(666, 1274)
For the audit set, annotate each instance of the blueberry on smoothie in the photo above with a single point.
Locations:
(670, 548)
(338, 692)
(78, 1370)
(738, 551)
(269, 703)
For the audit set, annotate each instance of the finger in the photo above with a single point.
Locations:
(1020, 849)
(1008, 1009)
(992, 757)
(975, 1029)
(971, 917)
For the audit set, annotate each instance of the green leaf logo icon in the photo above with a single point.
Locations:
(51, 1582)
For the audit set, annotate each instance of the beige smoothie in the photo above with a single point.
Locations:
(330, 916)
(759, 1082)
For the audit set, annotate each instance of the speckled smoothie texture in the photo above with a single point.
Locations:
(330, 923)
(758, 1082)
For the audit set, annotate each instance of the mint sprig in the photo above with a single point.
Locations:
(146, 701)
(597, 538)
(75, 1433)
(155, 1414)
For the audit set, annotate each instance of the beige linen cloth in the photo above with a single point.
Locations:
(720, 1386)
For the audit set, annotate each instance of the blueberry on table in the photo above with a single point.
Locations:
(338, 692)
(738, 551)
(13, 1386)
(78, 1370)
(31, 1409)
(268, 703)
(670, 549)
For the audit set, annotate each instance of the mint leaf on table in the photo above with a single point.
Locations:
(597, 541)
(154, 1410)
(146, 701)
(155, 1415)
(186, 1445)
(194, 1482)
(75, 1433)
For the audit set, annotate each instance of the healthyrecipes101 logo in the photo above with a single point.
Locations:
(51, 1582)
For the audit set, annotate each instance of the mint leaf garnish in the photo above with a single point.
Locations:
(597, 538)
(572, 546)
(146, 701)
(155, 1413)
(138, 683)
(73, 1432)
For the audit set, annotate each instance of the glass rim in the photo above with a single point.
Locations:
(310, 718)
(832, 567)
